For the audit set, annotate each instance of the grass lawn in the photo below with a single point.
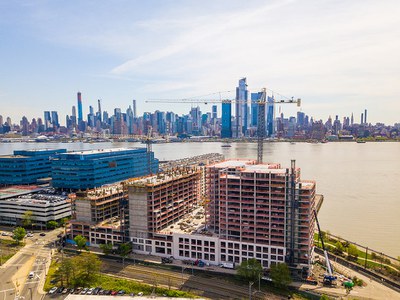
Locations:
(8, 248)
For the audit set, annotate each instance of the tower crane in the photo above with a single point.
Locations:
(261, 101)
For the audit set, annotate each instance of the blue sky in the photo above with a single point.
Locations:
(338, 56)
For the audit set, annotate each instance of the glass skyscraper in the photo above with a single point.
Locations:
(226, 130)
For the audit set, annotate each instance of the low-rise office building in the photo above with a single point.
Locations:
(27, 166)
(94, 168)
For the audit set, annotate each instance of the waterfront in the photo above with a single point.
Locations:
(359, 181)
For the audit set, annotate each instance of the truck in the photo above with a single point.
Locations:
(227, 265)
(166, 260)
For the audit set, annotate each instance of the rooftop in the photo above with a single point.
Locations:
(15, 191)
(250, 165)
(192, 223)
(38, 196)
(162, 177)
(98, 151)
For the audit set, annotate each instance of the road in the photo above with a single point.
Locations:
(34, 257)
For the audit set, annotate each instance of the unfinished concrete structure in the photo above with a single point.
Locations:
(99, 215)
(261, 206)
(155, 202)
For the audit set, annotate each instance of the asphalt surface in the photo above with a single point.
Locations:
(14, 281)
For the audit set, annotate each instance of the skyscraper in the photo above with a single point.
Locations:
(99, 110)
(226, 130)
(270, 128)
(47, 120)
(241, 108)
(134, 108)
(365, 116)
(214, 112)
(54, 119)
(80, 113)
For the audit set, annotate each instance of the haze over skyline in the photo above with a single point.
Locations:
(338, 56)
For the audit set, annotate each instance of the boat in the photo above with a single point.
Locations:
(226, 145)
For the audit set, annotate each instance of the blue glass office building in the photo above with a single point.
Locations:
(226, 130)
(26, 166)
(94, 168)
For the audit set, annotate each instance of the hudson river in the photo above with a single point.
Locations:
(360, 182)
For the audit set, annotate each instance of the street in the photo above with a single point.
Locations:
(34, 257)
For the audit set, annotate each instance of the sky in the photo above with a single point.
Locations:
(339, 57)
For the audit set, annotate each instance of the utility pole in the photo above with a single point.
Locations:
(366, 255)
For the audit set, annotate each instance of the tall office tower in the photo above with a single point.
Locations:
(226, 130)
(9, 122)
(214, 112)
(362, 118)
(25, 126)
(300, 119)
(134, 108)
(270, 126)
(99, 110)
(1, 120)
(365, 116)
(352, 119)
(195, 113)
(80, 112)
(47, 120)
(54, 119)
(254, 109)
(241, 108)
(90, 117)
(129, 120)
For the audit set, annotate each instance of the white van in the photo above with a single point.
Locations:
(31, 275)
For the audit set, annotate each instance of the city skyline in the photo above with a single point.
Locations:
(339, 57)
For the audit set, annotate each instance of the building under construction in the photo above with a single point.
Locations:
(99, 215)
(262, 206)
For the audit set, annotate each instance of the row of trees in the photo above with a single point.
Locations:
(252, 270)
(123, 250)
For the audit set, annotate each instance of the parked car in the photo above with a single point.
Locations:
(113, 293)
(42, 234)
(90, 291)
(53, 290)
(83, 292)
(31, 275)
(60, 290)
(66, 290)
(140, 294)
(121, 292)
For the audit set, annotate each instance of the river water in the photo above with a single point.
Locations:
(360, 182)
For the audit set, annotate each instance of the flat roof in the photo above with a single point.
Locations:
(250, 165)
(192, 223)
(97, 151)
(16, 190)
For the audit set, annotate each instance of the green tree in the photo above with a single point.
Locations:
(352, 252)
(63, 221)
(66, 271)
(324, 297)
(124, 250)
(250, 270)
(27, 218)
(80, 242)
(280, 275)
(52, 224)
(338, 248)
(107, 248)
(19, 234)
(87, 268)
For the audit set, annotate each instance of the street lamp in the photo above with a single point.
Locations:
(250, 285)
